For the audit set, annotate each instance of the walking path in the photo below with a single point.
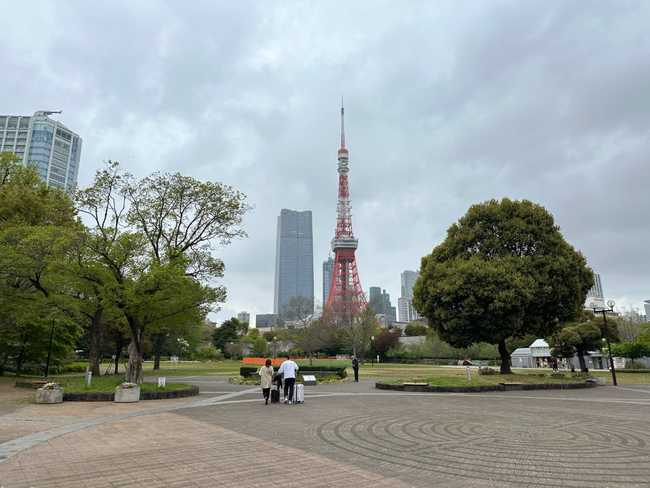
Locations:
(344, 434)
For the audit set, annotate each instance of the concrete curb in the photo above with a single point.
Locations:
(145, 395)
(478, 389)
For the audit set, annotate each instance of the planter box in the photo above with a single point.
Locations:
(49, 396)
(127, 395)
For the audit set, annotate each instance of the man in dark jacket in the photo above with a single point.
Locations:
(355, 367)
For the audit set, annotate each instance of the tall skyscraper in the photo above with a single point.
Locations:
(294, 259)
(48, 145)
(328, 266)
(646, 306)
(405, 303)
(379, 301)
(346, 299)
(595, 296)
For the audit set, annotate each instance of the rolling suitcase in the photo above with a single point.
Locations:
(299, 393)
(275, 394)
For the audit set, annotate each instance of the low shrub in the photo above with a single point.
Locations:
(484, 371)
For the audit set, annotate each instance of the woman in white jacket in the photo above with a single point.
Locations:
(266, 380)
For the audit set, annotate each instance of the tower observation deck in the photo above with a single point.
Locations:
(346, 298)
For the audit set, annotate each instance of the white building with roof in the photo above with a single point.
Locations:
(534, 356)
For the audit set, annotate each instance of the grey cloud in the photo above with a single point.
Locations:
(447, 104)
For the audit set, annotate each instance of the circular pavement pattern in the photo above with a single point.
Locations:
(581, 453)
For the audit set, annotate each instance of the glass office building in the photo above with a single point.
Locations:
(294, 259)
(49, 146)
(328, 268)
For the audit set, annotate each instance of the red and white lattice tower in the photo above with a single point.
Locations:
(346, 298)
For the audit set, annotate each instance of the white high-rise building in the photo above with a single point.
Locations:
(646, 306)
(595, 297)
(48, 145)
(405, 308)
(244, 317)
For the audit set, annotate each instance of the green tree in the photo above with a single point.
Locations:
(230, 331)
(631, 350)
(260, 346)
(317, 336)
(385, 340)
(38, 225)
(356, 333)
(503, 271)
(155, 236)
(416, 329)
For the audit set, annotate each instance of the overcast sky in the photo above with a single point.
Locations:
(447, 104)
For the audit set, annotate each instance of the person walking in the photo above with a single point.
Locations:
(355, 367)
(288, 370)
(266, 380)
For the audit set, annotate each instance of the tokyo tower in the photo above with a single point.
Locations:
(346, 298)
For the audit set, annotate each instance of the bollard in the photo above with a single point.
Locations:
(469, 374)
(89, 378)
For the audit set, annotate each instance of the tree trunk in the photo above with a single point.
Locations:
(505, 357)
(95, 342)
(158, 343)
(19, 361)
(134, 366)
(583, 363)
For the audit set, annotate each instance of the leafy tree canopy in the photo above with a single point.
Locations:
(503, 271)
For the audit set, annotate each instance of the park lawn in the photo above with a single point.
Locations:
(76, 384)
(193, 368)
(623, 378)
(449, 376)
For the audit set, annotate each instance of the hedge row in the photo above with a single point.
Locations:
(315, 370)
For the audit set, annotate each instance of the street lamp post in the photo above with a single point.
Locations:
(605, 339)
(275, 346)
(372, 344)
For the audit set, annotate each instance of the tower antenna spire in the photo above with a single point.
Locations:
(342, 124)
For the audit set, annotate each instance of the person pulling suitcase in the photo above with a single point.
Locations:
(266, 380)
(288, 370)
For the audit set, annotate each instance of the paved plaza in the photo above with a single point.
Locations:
(345, 434)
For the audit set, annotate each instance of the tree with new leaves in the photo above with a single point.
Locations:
(356, 333)
(155, 235)
(38, 225)
(317, 336)
(503, 271)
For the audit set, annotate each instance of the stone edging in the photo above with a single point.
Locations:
(477, 389)
(144, 395)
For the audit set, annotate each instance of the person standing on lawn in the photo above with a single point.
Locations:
(355, 367)
(288, 370)
(266, 380)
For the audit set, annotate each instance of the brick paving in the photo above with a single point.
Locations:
(344, 435)
(169, 450)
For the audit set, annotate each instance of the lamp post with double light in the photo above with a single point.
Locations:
(605, 339)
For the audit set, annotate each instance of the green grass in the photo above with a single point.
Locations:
(76, 384)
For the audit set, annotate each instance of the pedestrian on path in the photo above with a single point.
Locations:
(266, 380)
(288, 370)
(355, 367)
